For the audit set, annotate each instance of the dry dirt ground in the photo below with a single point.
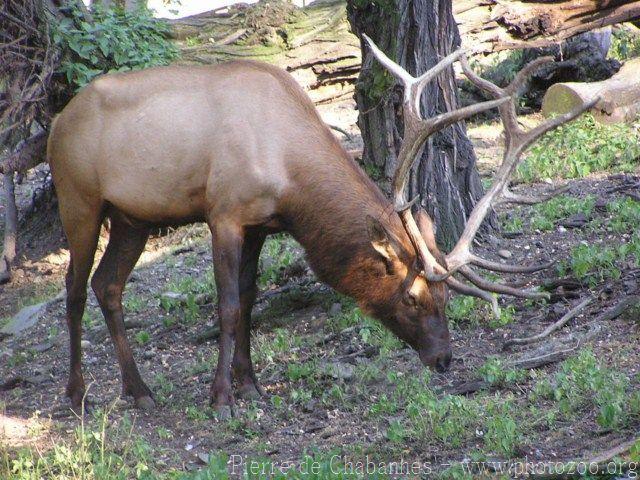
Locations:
(338, 402)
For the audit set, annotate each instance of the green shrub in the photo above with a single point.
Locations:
(495, 372)
(116, 41)
(625, 215)
(624, 45)
(581, 147)
(583, 382)
(502, 434)
(596, 263)
(547, 213)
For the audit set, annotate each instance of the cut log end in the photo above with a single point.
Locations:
(619, 96)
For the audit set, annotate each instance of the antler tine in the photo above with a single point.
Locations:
(516, 141)
(536, 132)
(491, 88)
(523, 75)
(400, 73)
(506, 267)
(487, 285)
(472, 291)
(430, 74)
(416, 131)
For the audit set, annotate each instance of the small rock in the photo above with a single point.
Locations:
(24, 319)
(85, 344)
(561, 229)
(43, 347)
(335, 309)
(338, 370)
(576, 221)
(148, 354)
(203, 458)
(505, 253)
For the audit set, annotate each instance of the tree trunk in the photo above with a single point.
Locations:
(10, 228)
(416, 34)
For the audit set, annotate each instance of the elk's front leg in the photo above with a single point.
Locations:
(227, 239)
(248, 386)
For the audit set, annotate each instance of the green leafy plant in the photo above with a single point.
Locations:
(547, 213)
(497, 373)
(584, 382)
(624, 45)
(581, 147)
(594, 263)
(115, 41)
(142, 337)
(503, 434)
(625, 215)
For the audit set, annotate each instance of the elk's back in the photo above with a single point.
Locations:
(178, 143)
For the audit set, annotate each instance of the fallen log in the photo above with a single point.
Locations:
(619, 96)
(493, 25)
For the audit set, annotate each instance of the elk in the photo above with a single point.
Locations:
(241, 147)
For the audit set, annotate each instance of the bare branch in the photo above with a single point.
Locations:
(508, 196)
(551, 328)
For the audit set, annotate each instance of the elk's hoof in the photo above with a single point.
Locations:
(224, 412)
(145, 403)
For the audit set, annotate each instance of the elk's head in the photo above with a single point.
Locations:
(414, 309)
(417, 315)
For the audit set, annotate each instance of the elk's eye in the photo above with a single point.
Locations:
(409, 300)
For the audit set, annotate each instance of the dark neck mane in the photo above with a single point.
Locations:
(328, 215)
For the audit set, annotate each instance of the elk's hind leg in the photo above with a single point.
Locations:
(126, 243)
(82, 227)
(242, 364)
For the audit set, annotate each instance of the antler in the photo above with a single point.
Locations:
(418, 129)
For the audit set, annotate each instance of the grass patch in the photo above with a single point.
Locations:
(596, 263)
(495, 372)
(545, 214)
(625, 215)
(472, 312)
(583, 383)
(280, 251)
(576, 149)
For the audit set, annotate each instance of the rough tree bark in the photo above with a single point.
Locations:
(416, 34)
(10, 228)
(492, 25)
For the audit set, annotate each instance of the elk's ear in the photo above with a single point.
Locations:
(381, 241)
